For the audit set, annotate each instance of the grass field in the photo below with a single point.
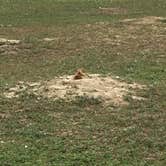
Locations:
(45, 132)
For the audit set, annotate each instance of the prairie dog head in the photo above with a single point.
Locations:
(79, 74)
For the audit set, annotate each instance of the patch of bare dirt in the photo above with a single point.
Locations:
(49, 39)
(108, 89)
(8, 46)
(4, 41)
(145, 20)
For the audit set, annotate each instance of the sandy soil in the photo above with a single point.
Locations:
(65, 87)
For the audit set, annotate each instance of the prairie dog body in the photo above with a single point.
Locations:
(79, 74)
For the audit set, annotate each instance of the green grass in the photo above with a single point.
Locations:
(43, 132)
(52, 12)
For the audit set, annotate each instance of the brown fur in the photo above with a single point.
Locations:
(79, 74)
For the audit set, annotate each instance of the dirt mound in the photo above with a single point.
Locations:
(145, 20)
(66, 87)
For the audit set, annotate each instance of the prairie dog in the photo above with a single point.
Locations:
(79, 74)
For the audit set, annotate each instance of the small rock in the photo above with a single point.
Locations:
(49, 39)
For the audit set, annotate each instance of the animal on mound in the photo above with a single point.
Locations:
(79, 74)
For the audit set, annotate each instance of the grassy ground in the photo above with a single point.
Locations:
(44, 132)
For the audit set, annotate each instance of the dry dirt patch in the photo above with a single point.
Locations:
(108, 89)
(4, 41)
(8, 45)
(145, 20)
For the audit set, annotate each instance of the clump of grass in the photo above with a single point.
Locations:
(87, 101)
